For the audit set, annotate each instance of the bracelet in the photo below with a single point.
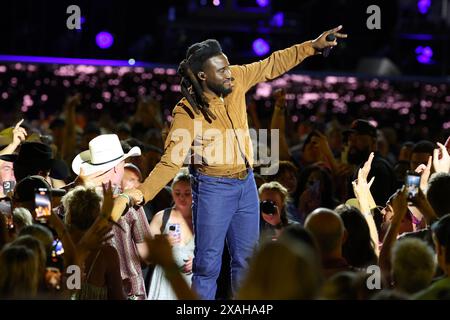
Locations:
(125, 196)
(369, 214)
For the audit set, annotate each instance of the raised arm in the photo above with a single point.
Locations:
(399, 207)
(441, 159)
(19, 135)
(281, 61)
(362, 191)
(279, 122)
(69, 141)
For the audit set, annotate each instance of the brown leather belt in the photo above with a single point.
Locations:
(239, 175)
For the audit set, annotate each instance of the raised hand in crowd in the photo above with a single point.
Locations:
(280, 97)
(70, 252)
(420, 202)
(441, 159)
(325, 150)
(362, 188)
(399, 206)
(278, 121)
(108, 200)
(425, 171)
(19, 135)
(69, 141)
(362, 192)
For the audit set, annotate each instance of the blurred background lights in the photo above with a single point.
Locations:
(104, 40)
(260, 47)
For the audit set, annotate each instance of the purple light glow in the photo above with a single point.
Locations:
(278, 19)
(423, 6)
(263, 3)
(75, 61)
(260, 47)
(424, 54)
(417, 36)
(104, 40)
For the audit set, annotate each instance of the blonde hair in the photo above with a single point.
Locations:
(22, 217)
(82, 207)
(277, 187)
(284, 194)
(182, 176)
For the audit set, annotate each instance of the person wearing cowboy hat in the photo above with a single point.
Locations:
(33, 158)
(104, 162)
(10, 139)
(36, 158)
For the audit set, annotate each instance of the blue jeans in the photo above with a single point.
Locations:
(223, 208)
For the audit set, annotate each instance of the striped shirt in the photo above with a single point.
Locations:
(135, 230)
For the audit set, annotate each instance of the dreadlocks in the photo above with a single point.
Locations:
(196, 56)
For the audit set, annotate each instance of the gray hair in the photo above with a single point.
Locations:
(413, 265)
(22, 218)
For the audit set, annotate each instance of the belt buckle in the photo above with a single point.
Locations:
(243, 175)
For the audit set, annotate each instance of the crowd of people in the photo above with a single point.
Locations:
(357, 209)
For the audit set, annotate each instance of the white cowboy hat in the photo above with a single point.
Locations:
(105, 152)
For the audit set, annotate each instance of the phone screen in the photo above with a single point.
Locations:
(57, 248)
(43, 206)
(6, 210)
(412, 184)
(8, 186)
(175, 230)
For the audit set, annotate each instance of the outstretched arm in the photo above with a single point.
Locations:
(177, 146)
(281, 61)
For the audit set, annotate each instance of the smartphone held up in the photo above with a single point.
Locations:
(43, 205)
(412, 184)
